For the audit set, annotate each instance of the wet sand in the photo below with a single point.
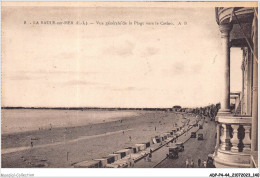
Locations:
(62, 146)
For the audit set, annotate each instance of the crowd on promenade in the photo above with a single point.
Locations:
(208, 111)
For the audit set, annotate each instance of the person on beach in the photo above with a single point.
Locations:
(148, 158)
(132, 163)
(130, 138)
(192, 164)
(199, 162)
(155, 128)
(31, 143)
(205, 164)
(187, 163)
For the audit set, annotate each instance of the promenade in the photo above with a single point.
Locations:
(194, 149)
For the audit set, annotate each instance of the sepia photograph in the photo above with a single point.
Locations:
(129, 85)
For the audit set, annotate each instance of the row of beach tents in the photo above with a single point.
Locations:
(128, 156)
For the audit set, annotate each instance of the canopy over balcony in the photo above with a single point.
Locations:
(225, 15)
(238, 17)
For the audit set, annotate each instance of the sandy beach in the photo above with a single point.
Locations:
(58, 146)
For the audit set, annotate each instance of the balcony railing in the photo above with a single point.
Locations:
(234, 141)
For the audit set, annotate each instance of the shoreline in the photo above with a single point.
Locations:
(18, 121)
(91, 108)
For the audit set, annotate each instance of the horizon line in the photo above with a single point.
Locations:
(81, 108)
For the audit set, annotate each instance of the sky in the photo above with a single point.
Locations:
(113, 66)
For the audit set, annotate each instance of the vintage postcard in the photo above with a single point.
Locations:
(130, 85)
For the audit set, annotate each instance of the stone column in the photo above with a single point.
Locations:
(235, 141)
(225, 102)
(225, 138)
(254, 132)
(246, 140)
(249, 83)
(243, 82)
(217, 139)
(218, 135)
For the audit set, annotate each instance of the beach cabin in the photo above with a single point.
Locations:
(158, 139)
(140, 147)
(103, 162)
(116, 156)
(154, 140)
(88, 164)
(164, 136)
(169, 134)
(147, 144)
(112, 166)
(178, 133)
(110, 159)
(119, 164)
(123, 152)
(122, 163)
(133, 149)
